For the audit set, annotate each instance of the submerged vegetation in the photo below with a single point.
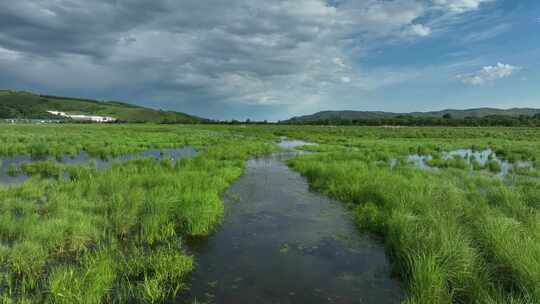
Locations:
(74, 234)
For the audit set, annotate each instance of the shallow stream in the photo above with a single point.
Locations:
(281, 243)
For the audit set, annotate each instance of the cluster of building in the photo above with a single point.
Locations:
(80, 117)
(30, 121)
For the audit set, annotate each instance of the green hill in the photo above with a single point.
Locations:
(27, 105)
(377, 115)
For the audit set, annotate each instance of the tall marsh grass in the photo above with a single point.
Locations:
(116, 236)
(113, 236)
(452, 238)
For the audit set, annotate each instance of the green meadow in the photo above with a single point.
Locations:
(453, 235)
(457, 232)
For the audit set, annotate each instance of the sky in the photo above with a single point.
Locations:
(274, 59)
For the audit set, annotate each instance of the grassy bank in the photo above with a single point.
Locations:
(452, 236)
(114, 235)
(100, 140)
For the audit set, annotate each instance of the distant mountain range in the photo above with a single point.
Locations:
(25, 105)
(378, 115)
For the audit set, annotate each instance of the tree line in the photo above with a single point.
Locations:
(447, 120)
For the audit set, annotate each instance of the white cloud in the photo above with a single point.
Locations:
(487, 34)
(380, 18)
(489, 74)
(339, 62)
(460, 6)
(6, 54)
(418, 30)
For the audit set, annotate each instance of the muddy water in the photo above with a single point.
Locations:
(281, 243)
(84, 158)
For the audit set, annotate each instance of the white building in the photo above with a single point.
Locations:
(79, 117)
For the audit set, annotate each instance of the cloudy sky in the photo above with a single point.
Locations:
(274, 59)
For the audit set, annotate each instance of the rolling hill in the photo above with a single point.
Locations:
(27, 105)
(375, 115)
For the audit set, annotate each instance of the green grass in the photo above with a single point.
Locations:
(452, 237)
(117, 235)
(99, 140)
(12, 170)
(494, 166)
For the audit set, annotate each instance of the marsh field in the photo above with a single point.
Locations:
(269, 214)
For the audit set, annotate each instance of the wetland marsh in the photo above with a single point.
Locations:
(245, 219)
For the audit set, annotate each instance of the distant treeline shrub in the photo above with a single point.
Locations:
(407, 120)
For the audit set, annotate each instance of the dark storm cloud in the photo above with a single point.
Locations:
(187, 53)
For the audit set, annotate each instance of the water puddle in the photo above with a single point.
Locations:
(9, 164)
(281, 243)
(420, 161)
(484, 161)
(292, 145)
